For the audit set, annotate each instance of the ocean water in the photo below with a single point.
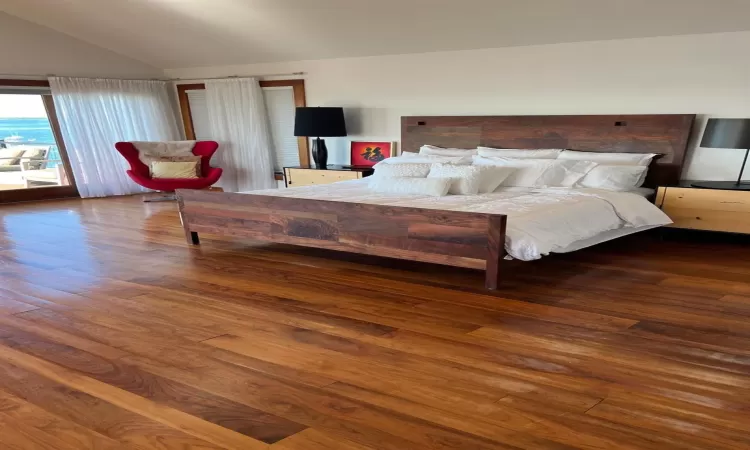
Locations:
(30, 131)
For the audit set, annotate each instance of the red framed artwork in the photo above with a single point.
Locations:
(367, 154)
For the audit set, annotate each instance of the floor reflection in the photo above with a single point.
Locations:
(33, 243)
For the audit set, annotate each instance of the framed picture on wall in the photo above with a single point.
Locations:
(368, 153)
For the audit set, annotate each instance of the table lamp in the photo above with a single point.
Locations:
(319, 122)
(727, 133)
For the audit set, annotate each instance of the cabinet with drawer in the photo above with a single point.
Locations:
(706, 209)
(308, 176)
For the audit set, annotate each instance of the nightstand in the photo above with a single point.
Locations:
(308, 176)
(705, 209)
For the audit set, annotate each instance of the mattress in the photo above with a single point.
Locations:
(540, 221)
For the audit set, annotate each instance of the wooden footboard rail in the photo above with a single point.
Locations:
(453, 238)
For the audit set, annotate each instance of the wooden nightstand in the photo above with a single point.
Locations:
(308, 176)
(705, 209)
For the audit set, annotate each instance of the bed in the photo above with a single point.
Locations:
(465, 231)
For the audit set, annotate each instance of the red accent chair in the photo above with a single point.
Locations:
(141, 174)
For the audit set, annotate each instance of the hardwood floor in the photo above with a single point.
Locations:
(114, 334)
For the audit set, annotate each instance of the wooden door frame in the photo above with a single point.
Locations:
(4, 82)
(46, 192)
(185, 112)
(299, 101)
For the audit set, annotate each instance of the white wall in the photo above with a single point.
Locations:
(30, 49)
(704, 74)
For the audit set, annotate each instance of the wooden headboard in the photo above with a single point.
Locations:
(666, 134)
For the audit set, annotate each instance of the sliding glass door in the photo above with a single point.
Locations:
(33, 163)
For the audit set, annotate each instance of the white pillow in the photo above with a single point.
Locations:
(540, 172)
(431, 150)
(610, 159)
(519, 153)
(574, 171)
(412, 170)
(427, 159)
(615, 178)
(465, 179)
(528, 172)
(436, 187)
(491, 177)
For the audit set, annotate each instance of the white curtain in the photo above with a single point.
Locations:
(94, 114)
(239, 123)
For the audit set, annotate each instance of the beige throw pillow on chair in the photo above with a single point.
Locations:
(193, 159)
(170, 169)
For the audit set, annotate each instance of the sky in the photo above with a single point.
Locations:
(21, 105)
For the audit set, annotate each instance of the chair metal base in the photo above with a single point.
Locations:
(170, 197)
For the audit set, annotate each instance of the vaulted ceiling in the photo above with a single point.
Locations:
(190, 33)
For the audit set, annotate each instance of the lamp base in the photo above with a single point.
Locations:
(726, 185)
(320, 153)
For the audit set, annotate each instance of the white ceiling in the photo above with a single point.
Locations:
(191, 33)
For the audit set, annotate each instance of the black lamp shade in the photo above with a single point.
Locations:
(727, 133)
(319, 122)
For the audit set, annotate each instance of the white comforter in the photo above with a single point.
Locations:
(540, 221)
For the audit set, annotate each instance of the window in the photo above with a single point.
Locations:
(280, 108)
(281, 98)
(33, 162)
(199, 111)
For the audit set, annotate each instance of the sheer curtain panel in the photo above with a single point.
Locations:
(94, 114)
(239, 123)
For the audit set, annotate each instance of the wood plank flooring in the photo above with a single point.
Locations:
(114, 334)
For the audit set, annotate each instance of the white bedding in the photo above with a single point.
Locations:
(540, 221)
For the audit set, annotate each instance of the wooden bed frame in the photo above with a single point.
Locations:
(453, 238)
